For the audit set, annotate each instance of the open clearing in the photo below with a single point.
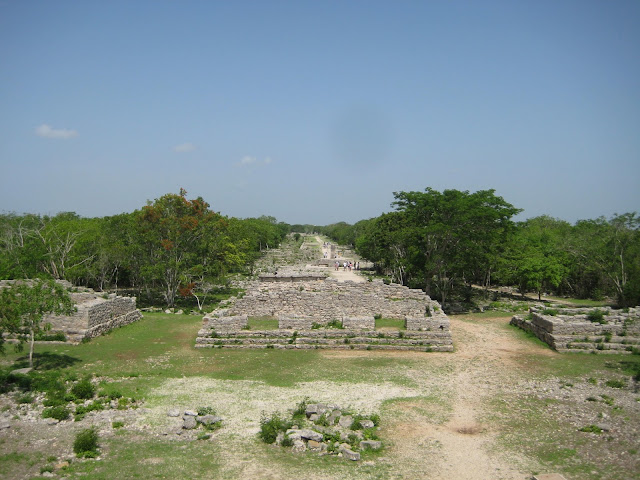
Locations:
(502, 406)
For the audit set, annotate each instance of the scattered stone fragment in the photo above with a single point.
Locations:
(345, 421)
(299, 446)
(208, 419)
(4, 424)
(367, 424)
(189, 422)
(605, 427)
(191, 413)
(293, 434)
(21, 371)
(348, 453)
(311, 435)
(173, 412)
(370, 444)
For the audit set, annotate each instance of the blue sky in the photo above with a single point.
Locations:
(317, 111)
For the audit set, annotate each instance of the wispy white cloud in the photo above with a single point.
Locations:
(47, 131)
(248, 161)
(184, 147)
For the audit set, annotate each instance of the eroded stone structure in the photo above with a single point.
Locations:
(582, 329)
(308, 313)
(95, 313)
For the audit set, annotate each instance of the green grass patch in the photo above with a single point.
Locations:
(262, 323)
(390, 323)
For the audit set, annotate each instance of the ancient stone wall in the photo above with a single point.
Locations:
(227, 323)
(329, 314)
(329, 299)
(572, 329)
(95, 313)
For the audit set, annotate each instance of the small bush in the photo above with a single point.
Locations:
(323, 420)
(86, 443)
(370, 434)
(591, 429)
(26, 398)
(375, 418)
(287, 442)
(270, 426)
(301, 408)
(616, 383)
(117, 424)
(59, 412)
(84, 389)
(550, 311)
(202, 411)
(596, 316)
(607, 399)
(335, 323)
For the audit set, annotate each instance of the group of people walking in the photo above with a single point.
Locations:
(347, 265)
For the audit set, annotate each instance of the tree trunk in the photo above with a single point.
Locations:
(32, 344)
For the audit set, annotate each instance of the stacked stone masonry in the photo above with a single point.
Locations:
(95, 313)
(309, 312)
(571, 330)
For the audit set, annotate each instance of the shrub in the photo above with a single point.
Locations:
(607, 399)
(335, 323)
(550, 311)
(59, 412)
(86, 443)
(117, 424)
(616, 383)
(323, 420)
(301, 408)
(26, 398)
(202, 411)
(591, 429)
(596, 316)
(287, 442)
(375, 418)
(270, 426)
(84, 389)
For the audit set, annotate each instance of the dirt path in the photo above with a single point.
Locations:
(342, 274)
(463, 447)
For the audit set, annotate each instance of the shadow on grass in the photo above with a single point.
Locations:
(47, 361)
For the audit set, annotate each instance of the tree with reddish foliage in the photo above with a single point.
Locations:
(181, 239)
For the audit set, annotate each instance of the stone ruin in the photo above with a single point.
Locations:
(583, 329)
(308, 313)
(95, 314)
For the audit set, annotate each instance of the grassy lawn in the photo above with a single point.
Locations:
(390, 323)
(263, 323)
(155, 360)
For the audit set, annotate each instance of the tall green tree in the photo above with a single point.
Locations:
(453, 236)
(536, 257)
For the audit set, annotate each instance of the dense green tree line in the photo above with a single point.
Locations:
(172, 245)
(444, 242)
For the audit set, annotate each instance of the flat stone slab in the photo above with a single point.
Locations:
(549, 476)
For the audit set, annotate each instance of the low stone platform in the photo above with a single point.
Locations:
(96, 313)
(309, 312)
(583, 330)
